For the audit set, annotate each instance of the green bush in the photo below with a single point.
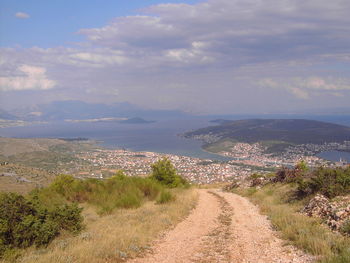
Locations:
(165, 197)
(40, 217)
(119, 191)
(25, 222)
(164, 172)
(68, 217)
(330, 182)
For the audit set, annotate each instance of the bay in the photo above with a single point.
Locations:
(335, 156)
(160, 136)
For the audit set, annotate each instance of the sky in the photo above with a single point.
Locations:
(214, 56)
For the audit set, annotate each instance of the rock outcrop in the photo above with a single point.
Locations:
(335, 213)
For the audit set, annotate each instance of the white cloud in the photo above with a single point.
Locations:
(299, 93)
(219, 49)
(22, 15)
(108, 58)
(31, 78)
(236, 32)
(304, 88)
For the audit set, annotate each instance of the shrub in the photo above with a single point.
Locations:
(68, 217)
(330, 182)
(119, 191)
(129, 200)
(165, 197)
(164, 172)
(148, 187)
(25, 222)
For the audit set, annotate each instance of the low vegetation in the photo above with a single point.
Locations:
(36, 219)
(330, 182)
(282, 196)
(26, 222)
(165, 197)
(118, 191)
(120, 235)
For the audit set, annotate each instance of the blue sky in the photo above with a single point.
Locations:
(208, 56)
(55, 23)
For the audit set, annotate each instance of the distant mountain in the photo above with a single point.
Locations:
(294, 131)
(4, 115)
(79, 110)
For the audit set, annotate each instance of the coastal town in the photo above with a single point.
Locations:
(247, 159)
(255, 154)
(85, 159)
(106, 162)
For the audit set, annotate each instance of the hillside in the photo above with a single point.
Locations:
(12, 146)
(29, 163)
(294, 131)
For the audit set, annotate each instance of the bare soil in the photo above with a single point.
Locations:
(224, 227)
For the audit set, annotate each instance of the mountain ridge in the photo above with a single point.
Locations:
(296, 131)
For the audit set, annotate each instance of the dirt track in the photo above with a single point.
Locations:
(224, 227)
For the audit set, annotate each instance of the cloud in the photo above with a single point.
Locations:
(231, 55)
(22, 15)
(234, 32)
(299, 93)
(305, 88)
(91, 57)
(32, 78)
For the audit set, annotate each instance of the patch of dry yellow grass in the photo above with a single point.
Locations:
(302, 231)
(126, 232)
(212, 186)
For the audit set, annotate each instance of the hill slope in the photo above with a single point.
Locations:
(295, 131)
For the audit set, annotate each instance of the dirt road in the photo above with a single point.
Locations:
(224, 227)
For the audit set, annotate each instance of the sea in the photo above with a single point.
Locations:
(161, 136)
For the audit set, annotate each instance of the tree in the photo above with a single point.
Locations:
(164, 172)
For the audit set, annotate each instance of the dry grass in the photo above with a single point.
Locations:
(304, 232)
(11, 146)
(212, 186)
(35, 178)
(126, 232)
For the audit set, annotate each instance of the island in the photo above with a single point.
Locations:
(136, 120)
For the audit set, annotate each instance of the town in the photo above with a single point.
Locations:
(102, 163)
(255, 154)
(246, 160)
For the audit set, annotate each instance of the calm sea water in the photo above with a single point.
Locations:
(160, 136)
(335, 156)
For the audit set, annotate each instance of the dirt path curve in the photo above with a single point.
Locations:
(223, 228)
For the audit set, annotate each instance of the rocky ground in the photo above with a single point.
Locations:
(335, 213)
